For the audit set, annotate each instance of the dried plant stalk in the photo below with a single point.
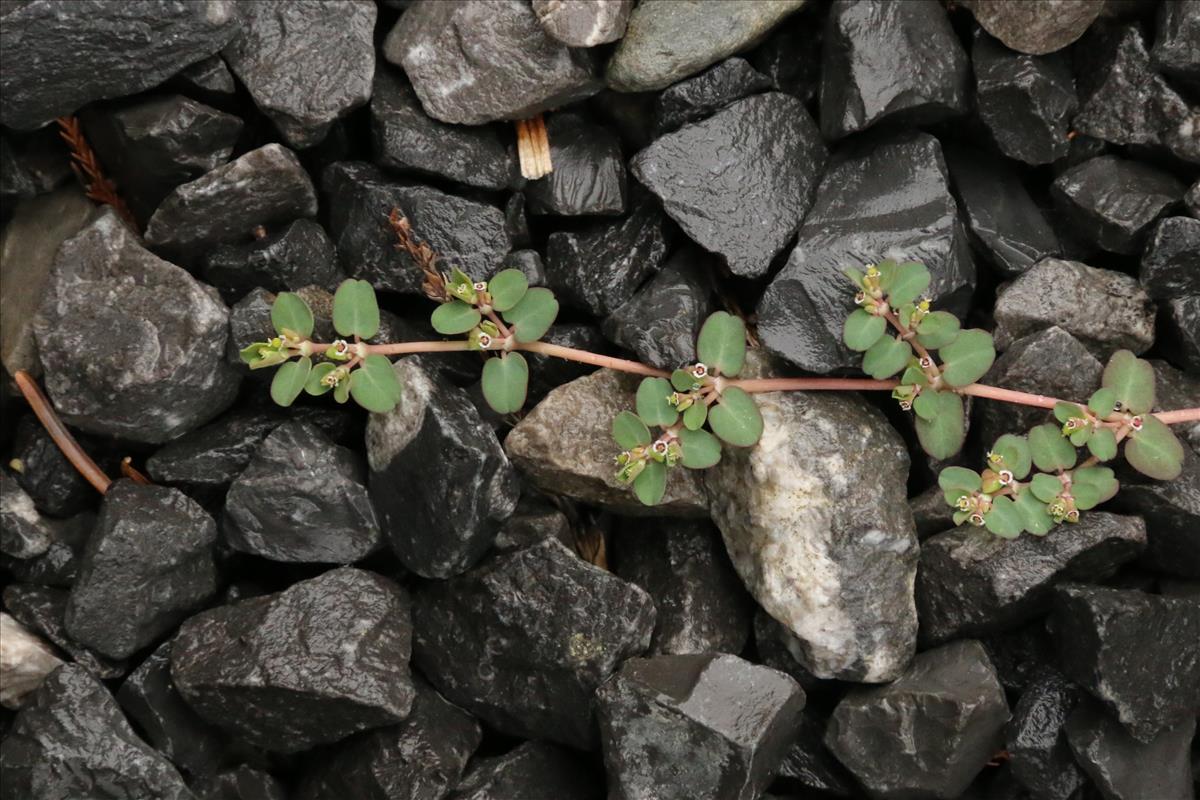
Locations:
(533, 148)
(96, 185)
(434, 284)
(59, 433)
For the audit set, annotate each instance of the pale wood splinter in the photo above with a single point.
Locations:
(533, 148)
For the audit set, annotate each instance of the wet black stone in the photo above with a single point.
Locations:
(779, 648)
(422, 758)
(892, 200)
(1122, 767)
(240, 783)
(15, 181)
(1172, 513)
(702, 606)
(305, 64)
(949, 700)
(547, 372)
(1133, 651)
(532, 523)
(147, 565)
(293, 256)
(523, 640)
(46, 475)
(406, 139)
(24, 534)
(589, 171)
(696, 98)
(583, 24)
(1018, 655)
(599, 268)
(739, 182)
(924, 76)
(704, 725)
(466, 233)
(529, 262)
(791, 57)
(931, 513)
(440, 482)
(1182, 328)
(482, 60)
(1191, 200)
(324, 659)
(1025, 101)
(532, 771)
(116, 49)
(132, 345)
(1176, 50)
(263, 187)
(302, 498)
(1112, 201)
(59, 565)
(208, 78)
(41, 609)
(516, 223)
(71, 740)
(1171, 260)
(1040, 758)
(660, 323)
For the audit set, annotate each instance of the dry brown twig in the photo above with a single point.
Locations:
(434, 285)
(59, 433)
(96, 185)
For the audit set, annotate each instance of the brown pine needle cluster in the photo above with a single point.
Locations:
(434, 285)
(96, 185)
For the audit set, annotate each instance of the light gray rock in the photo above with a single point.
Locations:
(1035, 26)
(24, 534)
(583, 23)
(25, 661)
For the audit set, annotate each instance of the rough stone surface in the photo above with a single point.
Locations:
(890, 61)
(302, 498)
(240, 783)
(326, 658)
(296, 255)
(531, 771)
(1171, 260)
(671, 39)
(523, 640)
(1182, 328)
(1122, 767)
(1171, 509)
(971, 582)
(949, 701)
(810, 765)
(583, 23)
(1104, 309)
(146, 566)
(1133, 651)
(25, 661)
(41, 609)
(305, 63)
(815, 521)
(207, 78)
(132, 346)
(23, 532)
(565, 452)
(440, 482)
(116, 48)
(477, 61)
(891, 201)
(72, 741)
(696, 98)
(1035, 26)
(1177, 42)
(589, 171)
(1041, 760)
(739, 182)
(686, 726)
(46, 475)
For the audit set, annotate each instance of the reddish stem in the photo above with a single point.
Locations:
(584, 357)
(59, 433)
(813, 384)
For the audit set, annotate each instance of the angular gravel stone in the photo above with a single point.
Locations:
(1171, 260)
(949, 700)
(25, 661)
(147, 565)
(208, 78)
(583, 23)
(710, 91)
(476, 61)
(404, 138)
(262, 187)
(1041, 760)
(56, 487)
(523, 640)
(466, 233)
(23, 532)
(1134, 651)
(899, 61)
(1124, 768)
(563, 451)
(1035, 26)
(132, 346)
(589, 171)
(810, 765)
(739, 182)
(1112, 202)
(1176, 49)
(532, 771)
(1025, 101)
(890, 201)
(815, 521)
(440, 482)
(302, 498)
(1104, 309)
(116, 49)
(971, 582)
(305, 63)
(685, 726)
(1191, 200)
(324, 659)
(241, 783)
(1182, 329)
(41, 609)
(791, 56)
(671, 39)
(1172, 512)
(72, 741)
(295, 255)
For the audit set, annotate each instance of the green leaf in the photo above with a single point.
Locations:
(910, 282)
(735, 418)
(507, 288)
(653, 402)
(1086, 496)
(968, 357)
(313, 385)
(262, 354)
(533, 315)
(1154, 450)
(629, 431)
(684, 381)
(374, 385)
(289, 381)
(1103, 402)
(1103, 444)
(960, 478)
(887, 273)
(861, 330)
(651, 485)
(1004, 519)
(886, 357)
(700, 449)
(856, 276)
(1033, 514)
(926, 405)
(914, 376)
(1014, 453)
(694, 417)
(355, 310)
(289, 312)
(1064, 411)
(1132, 381)
(342, 392)
(1100, 478)
(937, 330)
(722, 343)
(1080, 437)
(1050, 451)
(1045, 487)
(505, 382)
(454, 317)
(943, 433)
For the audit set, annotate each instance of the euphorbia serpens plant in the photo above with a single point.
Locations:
(685, 417)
